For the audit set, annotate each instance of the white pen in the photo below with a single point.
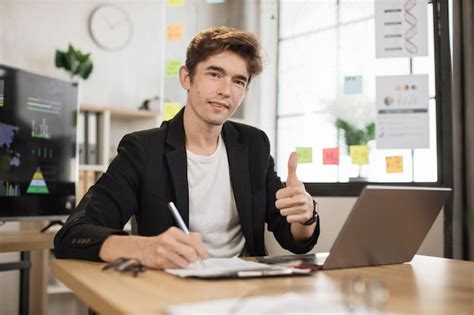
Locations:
(177, 217)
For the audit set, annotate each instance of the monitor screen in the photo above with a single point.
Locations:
(37, 145)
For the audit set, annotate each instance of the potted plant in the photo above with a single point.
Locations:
(75, 62)
(354, 117)
(354, 135)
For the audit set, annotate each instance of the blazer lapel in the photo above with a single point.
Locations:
(176, 159)
(237, 155)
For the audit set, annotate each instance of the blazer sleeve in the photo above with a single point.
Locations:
(106, 207)
(277, 224)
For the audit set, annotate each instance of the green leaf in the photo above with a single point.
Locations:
(370, 129)
(83, 58)
(59, 59)
(85, 70)
(72, 63)
(78, 54)
(70, 50)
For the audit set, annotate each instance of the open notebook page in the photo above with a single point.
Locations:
(214, 267)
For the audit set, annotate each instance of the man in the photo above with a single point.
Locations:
(219, 174)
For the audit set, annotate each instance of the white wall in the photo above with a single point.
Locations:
(33, 30)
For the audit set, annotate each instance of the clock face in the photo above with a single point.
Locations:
(110, 27)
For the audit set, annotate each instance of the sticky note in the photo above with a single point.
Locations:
(305, 155)
(353, 84)
(174, 32)
(394, 164)
(331, 156)
(359, 154)
(172, 67)
(170, 110)
(175, 3)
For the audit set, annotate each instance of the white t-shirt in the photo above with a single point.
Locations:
(212, 209)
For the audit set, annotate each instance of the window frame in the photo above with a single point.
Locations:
(442, 70)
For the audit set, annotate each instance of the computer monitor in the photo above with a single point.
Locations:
(37, 145)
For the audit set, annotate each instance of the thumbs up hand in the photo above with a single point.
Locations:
(293, 201)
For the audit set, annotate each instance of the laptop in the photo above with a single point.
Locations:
(386, 226)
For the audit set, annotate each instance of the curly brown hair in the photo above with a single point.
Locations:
(215, 40)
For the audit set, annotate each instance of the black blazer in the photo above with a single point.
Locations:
(150, 170)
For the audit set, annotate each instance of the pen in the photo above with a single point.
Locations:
(177, 217)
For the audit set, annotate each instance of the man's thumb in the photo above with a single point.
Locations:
(292, 179)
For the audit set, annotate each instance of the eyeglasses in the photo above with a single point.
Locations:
(123, 264)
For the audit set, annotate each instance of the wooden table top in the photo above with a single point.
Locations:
(426, 285)
(15, 241)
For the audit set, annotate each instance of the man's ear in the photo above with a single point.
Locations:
(184, 78)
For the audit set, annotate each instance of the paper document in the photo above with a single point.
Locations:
(403, 120)
(401, 28)
(232, 267)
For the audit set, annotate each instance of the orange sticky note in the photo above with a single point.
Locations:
(331, 156)
(174, 32)
(170, 110)
(394, 164)
(359, 154)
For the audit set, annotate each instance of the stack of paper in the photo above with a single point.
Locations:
(232, 267)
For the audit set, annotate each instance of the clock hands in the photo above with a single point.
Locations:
(111, 25)
(120, 22)
(107, 21)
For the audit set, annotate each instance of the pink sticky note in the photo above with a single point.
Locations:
(331, 156)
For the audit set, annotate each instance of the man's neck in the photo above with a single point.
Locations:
(201, 138)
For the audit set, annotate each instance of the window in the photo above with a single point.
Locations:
(322, 45)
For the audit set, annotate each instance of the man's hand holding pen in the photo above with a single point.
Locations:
(172, 249)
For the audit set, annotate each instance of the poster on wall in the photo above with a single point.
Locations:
(401, 28)
(402, 120)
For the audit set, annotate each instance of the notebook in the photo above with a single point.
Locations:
(387, 225)
(234, 268)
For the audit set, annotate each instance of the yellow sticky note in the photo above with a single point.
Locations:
(359, 154)
(174, 32)
(394, 164)
(170, 110)
(175, 3)
(172, 67)
(305, 155)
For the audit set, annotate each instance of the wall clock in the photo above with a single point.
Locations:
(110, 27)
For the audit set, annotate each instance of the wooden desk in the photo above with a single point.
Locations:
(427, 285)
(24, 242)
(18, 241)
